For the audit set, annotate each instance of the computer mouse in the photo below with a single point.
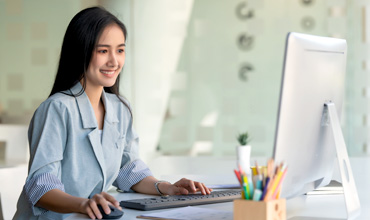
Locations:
(114, 212)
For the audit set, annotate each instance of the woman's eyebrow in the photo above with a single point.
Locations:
(107, 45)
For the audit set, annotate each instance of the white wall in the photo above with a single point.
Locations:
(156, 32)
(16, 144)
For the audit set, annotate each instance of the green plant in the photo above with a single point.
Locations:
(243, 138)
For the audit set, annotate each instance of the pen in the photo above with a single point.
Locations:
(246, 187)
(243, 194)
(254, 171)
(237, 174)
(258, 181)
(257, 169)
(257, 195)
(240, 170)
(256, 176)
(270, 170)
(251, 189)
(266, 187)
(274, 183)
(277, 190)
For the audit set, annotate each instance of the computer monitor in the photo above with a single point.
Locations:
(313, 74)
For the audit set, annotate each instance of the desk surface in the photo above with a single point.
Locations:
(131, 213)
(313, 206)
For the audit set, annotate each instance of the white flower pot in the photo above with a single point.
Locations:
(244, 157)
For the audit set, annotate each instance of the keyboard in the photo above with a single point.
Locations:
(165, 202)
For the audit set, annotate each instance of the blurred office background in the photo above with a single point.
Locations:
(198, 72)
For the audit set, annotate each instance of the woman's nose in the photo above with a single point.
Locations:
(112, 62)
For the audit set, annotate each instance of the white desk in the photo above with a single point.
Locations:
(131, 213)
(313, 207)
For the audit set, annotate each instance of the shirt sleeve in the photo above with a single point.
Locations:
(47, 137)
(131, 174)
(38, 185)
(132, 169)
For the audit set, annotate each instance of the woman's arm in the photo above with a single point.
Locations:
(59, 201)
(136, 175)
(183, 186)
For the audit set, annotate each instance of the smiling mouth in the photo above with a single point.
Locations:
(108, 72)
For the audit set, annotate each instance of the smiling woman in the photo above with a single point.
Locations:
(81, 138)
(106, 63)
(108, 58)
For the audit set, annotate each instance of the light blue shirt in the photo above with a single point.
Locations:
(68, 152)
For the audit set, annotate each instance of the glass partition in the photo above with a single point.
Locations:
(198, 72)
(229, 73)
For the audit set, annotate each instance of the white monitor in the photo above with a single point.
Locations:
(313, 74)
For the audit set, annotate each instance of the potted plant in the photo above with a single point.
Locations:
(243, 152)
(243, 139)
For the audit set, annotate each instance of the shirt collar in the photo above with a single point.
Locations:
(86, 110)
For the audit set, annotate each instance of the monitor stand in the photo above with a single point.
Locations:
(330, 118)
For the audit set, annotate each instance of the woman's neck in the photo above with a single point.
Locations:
(94, 94)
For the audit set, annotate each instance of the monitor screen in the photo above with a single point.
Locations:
(313, 73)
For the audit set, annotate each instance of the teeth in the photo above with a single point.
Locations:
(107, 72)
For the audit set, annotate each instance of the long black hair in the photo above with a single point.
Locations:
(80, 39)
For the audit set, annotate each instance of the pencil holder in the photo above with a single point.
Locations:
(259, 210)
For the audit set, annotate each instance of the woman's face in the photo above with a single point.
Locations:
(107, 59)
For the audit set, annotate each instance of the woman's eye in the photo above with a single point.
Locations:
(121, 50)
(102, 51)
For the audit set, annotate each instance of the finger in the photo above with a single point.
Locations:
(191, 186)
(108, 197)
(111, 200)
(200, 187)
(115, 204)
(90, 213)
(208, 189)
(94, 208)
(104, 205)
(119, 207)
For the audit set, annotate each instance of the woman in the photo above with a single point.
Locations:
(81, 138)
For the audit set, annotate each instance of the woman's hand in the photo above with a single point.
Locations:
(90, 206)
(183, 187)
